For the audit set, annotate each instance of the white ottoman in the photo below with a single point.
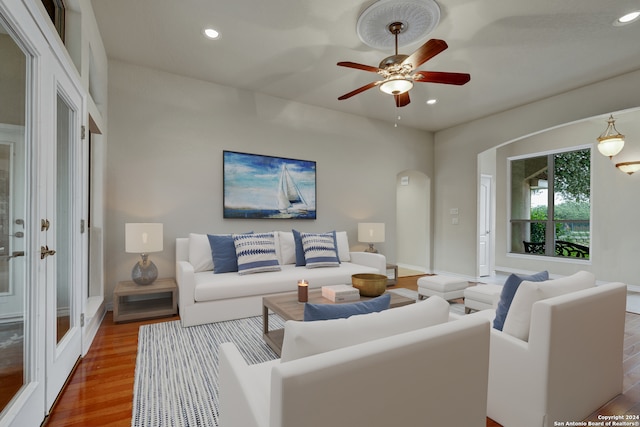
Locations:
(481, 297)
(444, 286)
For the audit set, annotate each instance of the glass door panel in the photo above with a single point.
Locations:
(13, 184)
(63, 219)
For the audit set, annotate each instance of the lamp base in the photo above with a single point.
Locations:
(144, 272)
(372, 249)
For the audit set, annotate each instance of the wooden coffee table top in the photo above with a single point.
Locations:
(286, 305)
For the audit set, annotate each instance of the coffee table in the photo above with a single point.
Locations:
(286, 305)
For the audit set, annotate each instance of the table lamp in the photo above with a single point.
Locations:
(371, 232)
(143, 238)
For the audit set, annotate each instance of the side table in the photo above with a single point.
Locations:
(391, 282)
(129, 302)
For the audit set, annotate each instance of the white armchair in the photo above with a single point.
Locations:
(427, 376)
(570, 366)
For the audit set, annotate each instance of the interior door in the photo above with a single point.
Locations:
(484, 227)
(63, 242)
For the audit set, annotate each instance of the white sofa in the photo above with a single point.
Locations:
(205, 297)
(425, 375)
(568, 363)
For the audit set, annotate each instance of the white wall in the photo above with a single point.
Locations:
(457, 176)
(414, 221)
(166, 137)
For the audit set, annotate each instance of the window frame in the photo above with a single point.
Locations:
(550, 221)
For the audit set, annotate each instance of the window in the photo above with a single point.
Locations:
(550, 202)
(55, 10)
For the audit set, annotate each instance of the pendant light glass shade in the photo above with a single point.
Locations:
(629, 167)
(611, 141)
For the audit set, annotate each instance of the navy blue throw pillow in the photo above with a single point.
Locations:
(509, 290)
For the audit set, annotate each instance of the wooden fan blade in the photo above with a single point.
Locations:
(359, 90)
(358, 66)
(425, 52)
(402, 99)
(441, 77)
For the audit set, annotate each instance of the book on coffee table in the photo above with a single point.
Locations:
(340, 293)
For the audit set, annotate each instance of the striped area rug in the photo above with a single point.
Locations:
(177, 369)
(176, 379)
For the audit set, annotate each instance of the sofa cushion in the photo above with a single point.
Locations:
(342, 246)
(200, 253)
(518, 318)
(302, 339)
(209, 287)
(509, 289)
(313, 312)
(320, 249)
(285, 247)
(256, 253)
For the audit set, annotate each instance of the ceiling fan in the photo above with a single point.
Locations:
(397, 70)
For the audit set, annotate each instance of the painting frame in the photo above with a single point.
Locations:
(257, 186)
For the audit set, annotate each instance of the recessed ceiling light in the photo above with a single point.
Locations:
(628, 18)
(431, 101)
(211, 33)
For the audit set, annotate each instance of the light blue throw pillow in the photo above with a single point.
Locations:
(509, 290)
(314, 312)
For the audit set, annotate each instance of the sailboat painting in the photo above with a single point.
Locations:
(257, 186)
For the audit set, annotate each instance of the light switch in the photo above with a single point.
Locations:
(453, 211)
(454, 220)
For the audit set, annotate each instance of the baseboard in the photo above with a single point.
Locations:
(413, 267)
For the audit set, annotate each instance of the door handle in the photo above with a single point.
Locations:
(45, 252)
(15, 254)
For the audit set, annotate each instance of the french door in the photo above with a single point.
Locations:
(61, 245)
(41, 203)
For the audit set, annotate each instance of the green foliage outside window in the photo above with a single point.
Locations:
(573, 176)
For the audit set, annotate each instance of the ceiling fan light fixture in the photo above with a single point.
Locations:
(396, 85)
(611, 141)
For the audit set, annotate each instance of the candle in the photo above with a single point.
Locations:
(303, 291)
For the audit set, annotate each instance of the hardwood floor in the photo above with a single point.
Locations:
(100, 391)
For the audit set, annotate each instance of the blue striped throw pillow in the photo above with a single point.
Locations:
(319, 250)
(256, 253)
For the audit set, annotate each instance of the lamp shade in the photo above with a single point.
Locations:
(143, 238)
(371, 232)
